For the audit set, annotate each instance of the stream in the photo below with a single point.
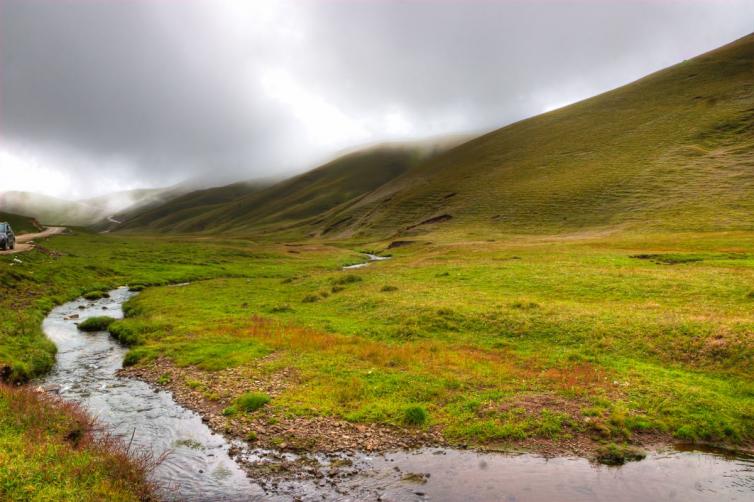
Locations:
(198, 466)
(370, 257)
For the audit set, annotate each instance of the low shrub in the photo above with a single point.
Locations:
(337, 289)
(97, 323)
(310, 299)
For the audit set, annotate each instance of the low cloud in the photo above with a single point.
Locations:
(113, 94)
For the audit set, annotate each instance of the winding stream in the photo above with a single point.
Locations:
(199, 467)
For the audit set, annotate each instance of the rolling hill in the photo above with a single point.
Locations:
(293, 203)
(673, 151)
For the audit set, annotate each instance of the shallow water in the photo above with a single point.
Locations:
(370, 257)
(199, 467)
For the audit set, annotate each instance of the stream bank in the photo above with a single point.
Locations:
(203, 465)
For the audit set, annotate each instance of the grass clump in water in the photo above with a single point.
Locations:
(96, 295)
(97, 323)
(613, 454)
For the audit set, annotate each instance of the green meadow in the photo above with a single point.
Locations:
(621, 338)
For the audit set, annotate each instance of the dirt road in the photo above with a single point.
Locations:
(24, 242)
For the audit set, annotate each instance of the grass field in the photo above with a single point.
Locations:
(495, 340)
(38, 458)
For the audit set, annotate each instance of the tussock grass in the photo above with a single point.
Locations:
(97, 323)
(95, 295)
(251, 401)
(415, 415)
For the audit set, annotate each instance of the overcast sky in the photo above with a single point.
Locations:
(102, 95)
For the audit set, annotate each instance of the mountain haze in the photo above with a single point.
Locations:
(55, 211)
(295, 202)
(674, 150)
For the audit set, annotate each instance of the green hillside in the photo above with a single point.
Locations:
(294, 202)
(673, 151)
(183, 210)
(20, 224)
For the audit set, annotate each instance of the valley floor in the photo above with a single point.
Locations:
(555, 344)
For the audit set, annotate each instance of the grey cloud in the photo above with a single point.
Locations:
(177, 88)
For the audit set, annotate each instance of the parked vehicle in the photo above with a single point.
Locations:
(7, 237)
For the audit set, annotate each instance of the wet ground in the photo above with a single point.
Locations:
(370, 257)
(202, 465)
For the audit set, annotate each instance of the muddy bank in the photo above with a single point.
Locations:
(209, 393)
(307, 459)
(321, 458)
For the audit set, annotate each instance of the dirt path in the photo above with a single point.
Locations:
(25, 242)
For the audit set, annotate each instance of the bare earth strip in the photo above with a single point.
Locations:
(25, 242)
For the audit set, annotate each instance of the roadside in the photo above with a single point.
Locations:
(25, 242)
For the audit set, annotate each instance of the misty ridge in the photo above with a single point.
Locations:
(151, 94)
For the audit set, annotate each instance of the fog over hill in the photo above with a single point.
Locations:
(104, 97)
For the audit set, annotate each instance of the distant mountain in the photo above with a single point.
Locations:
(55, 211)
(259, 206)
(672, 151)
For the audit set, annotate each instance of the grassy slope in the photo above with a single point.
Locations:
(48, 452)
(20, 224)
(529, 338)
(294, 202)
(189, 210)
(674, 150)
(615, 347)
